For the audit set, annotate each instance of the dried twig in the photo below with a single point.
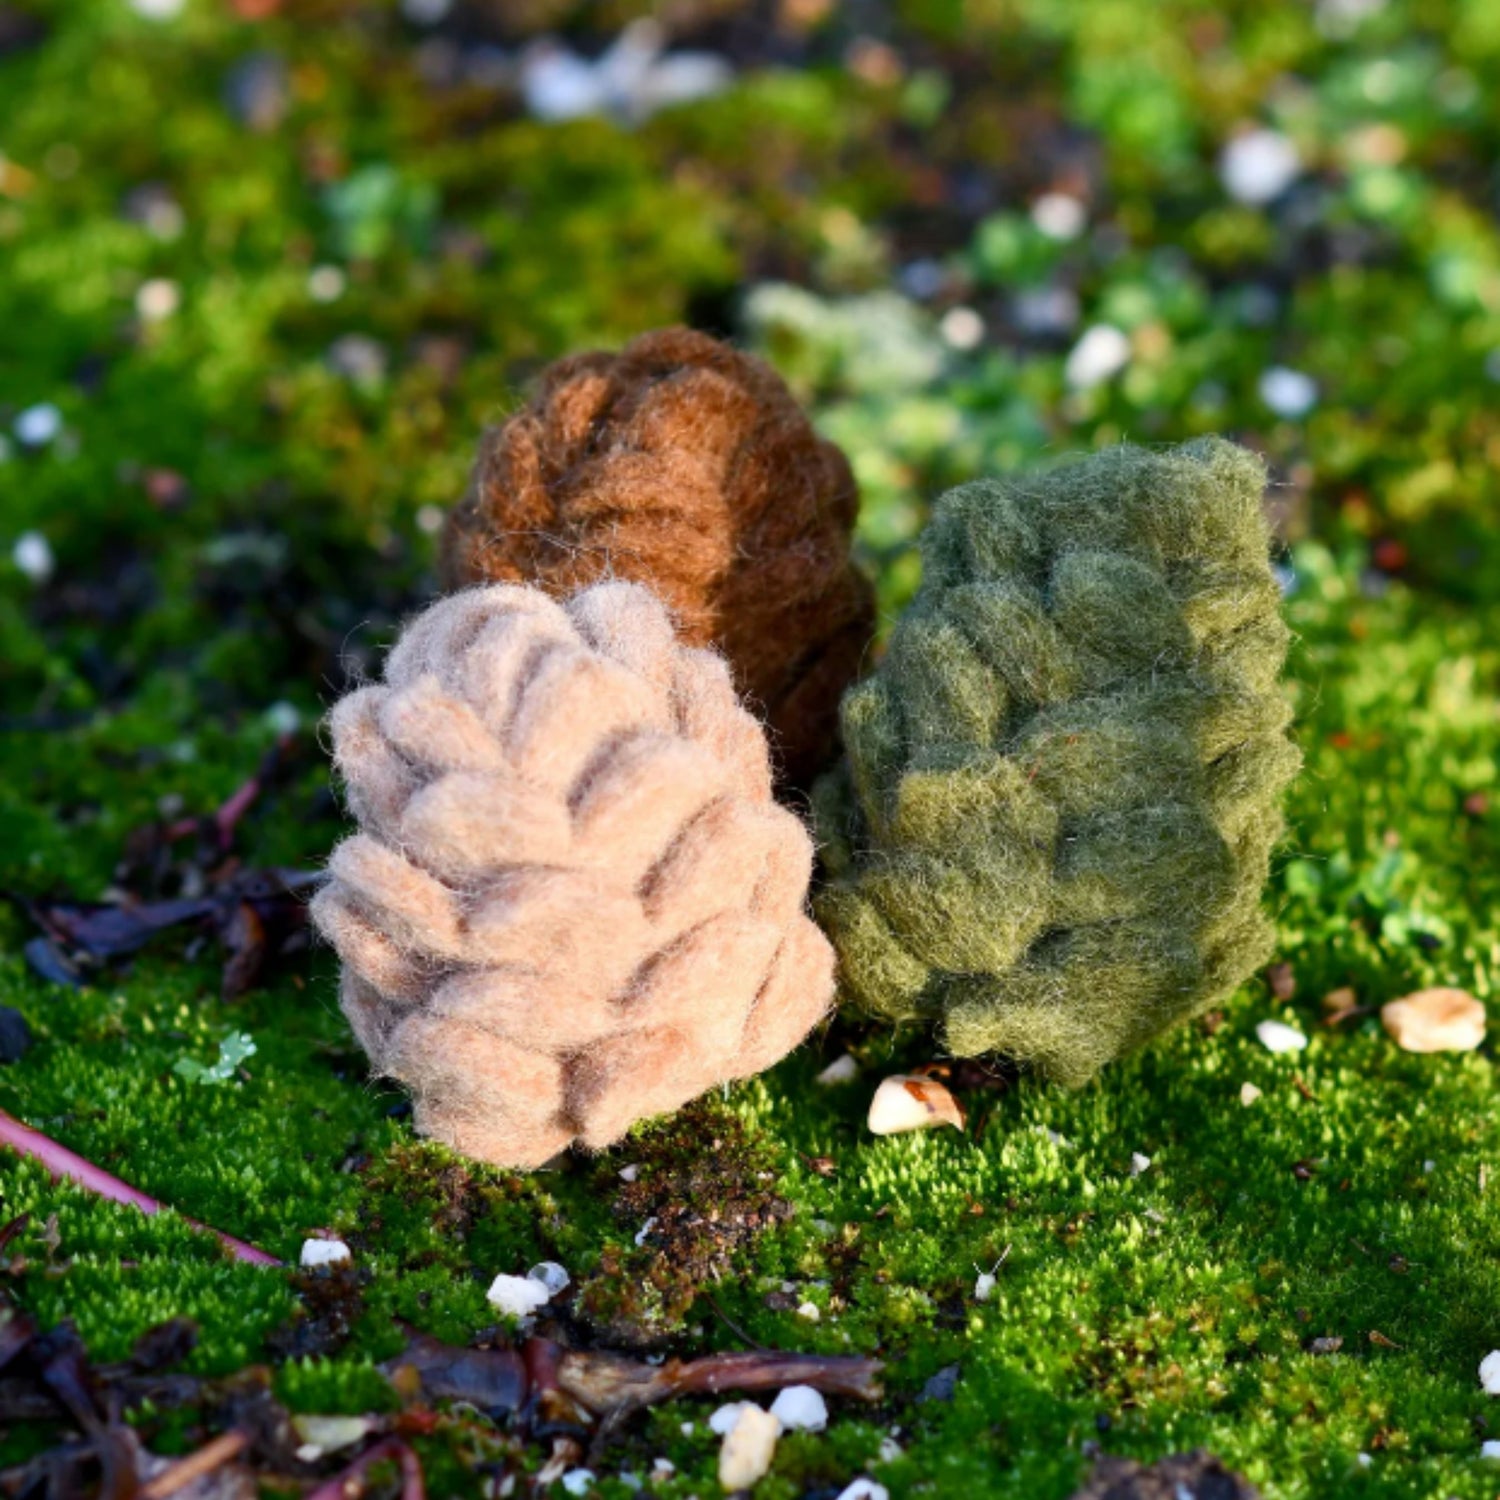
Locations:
(211, 1457)
(61, 1162)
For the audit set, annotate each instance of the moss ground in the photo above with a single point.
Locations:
(235, 503)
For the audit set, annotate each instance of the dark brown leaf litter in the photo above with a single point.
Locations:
(180, 875)
(1197, 1474)
(701, 1192)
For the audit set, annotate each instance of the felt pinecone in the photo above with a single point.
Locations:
(573, 902)
(1062, 784)
(684, 465)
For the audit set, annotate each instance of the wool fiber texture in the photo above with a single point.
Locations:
(685, 465)
(1062, 785)
(572, 902)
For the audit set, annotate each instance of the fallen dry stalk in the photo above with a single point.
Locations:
(608, 1385)
(209, 1459)
(61, 1162)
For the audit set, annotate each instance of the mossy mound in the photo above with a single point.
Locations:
(1063, 782)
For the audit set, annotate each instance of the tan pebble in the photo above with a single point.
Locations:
(1340, 999)
(1435, 1020)
(1248, 1094)
(748, 1448)
(905, 1103)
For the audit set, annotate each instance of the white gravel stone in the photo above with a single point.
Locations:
(578, 1481)
(1289, 393)
(157, 299)
(1060, 216)
(326, 283)
(322, 1435)
(1489, 1373)
(984, 1286)
(864, 1489)
(552, 1276)
(748, 1448)
(903, 1102)
(799, 1408)
(840, 1070)
(1277, 1036)
(32, 554)
(1490, 1450)
(517, 1296)
(962, 328)
(158, 10)
(1103, 351)
(1139, 1163)
(38, 425)
(1259, 166)
(323, 1253)
(809, 1310)
(723, 1421)
(1249, 1094)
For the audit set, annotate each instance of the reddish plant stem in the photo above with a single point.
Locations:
(61, 1162)
(339, 1487)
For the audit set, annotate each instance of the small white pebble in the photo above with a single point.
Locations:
(551, 1275)
(1259, 166)
(1060, 216)
(889, 1451)
(630, 1480)
(962, 328)
(723, 1421)
(1289, 393)
(630, 1173)
(799, 1408)
(1489, 1373)
(903, 1102)
(157, 299)
(748, 1448)
(425, 12)
(984, 1286)
(38, 425)
(1429, 1166)
(322, 1435)
(687, 1429)
(840, 1070)
(1363, 1460)
(517, 1296)
(864, 1489)
(282, 718)
(1277, 1036)
(663, 1468)
(430, 519)
(1103, 351)
(1139, 1163)
(32, 554)
(809, 1310)
(323, 1253)
(578, 1481)
(1248, 1094)
(1490, 1449)
(326, 283)
(645, 1229)
(158, 10)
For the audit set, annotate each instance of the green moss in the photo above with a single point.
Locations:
(1063, 782)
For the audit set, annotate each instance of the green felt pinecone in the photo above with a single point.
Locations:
(1063, 783)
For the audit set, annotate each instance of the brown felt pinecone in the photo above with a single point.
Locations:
(685, 465)
(573, 902)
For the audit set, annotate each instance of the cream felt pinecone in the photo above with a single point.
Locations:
(573, 902)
